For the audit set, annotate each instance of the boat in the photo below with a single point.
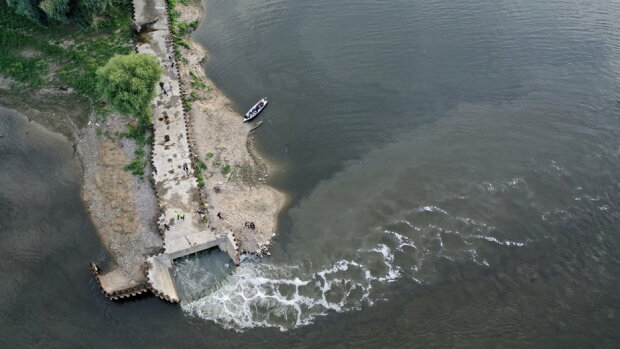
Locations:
(255, 110)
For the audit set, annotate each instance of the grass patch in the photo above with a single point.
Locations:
(187, 103)
(136, 167)
(139, 131)
(226, 169)
(178, 30)
(68, 56)
(65, 55)
(210, 155)
(194, 95)
(196, 82)
(200, 179)
(199, 166)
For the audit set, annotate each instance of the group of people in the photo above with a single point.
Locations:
(202, 214)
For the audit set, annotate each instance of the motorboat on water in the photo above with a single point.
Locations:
(255, 110)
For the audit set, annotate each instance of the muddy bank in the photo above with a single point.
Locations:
(123, 207)
(58, 109)
(235, 173)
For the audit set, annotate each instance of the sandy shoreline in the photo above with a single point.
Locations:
(241, 195)
(123, 207)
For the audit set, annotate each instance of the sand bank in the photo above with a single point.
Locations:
(221, 139)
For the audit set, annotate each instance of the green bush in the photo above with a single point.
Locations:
(196, 82)
(136, 167)
(183, 43)
(226, 169)
(194, 25)
(128, 82)
(201, 165)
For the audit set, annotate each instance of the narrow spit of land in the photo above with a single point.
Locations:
(207, 187)
(183, 220)
(203, 158)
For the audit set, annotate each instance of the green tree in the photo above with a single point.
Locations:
(46, 12)
(128, 82)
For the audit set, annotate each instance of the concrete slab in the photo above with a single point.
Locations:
(185, 232)
(160, 277)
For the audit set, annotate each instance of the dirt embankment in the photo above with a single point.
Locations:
(235, 174)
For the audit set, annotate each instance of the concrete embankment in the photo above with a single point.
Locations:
(182, 220)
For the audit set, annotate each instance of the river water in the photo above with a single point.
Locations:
(453, 168)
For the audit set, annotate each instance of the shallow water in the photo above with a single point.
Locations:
(453, 167)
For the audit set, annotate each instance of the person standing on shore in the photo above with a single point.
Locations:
(163, 88)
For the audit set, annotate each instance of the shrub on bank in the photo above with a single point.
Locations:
(128, 82)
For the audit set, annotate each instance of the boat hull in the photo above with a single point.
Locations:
(255, 110)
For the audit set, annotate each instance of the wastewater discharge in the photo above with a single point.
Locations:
(262, 294)
(367, 229)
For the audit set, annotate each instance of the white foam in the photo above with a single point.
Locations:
(265, 295)
(557, 213)
(431, 208)
(260, 294)
(516, 182)
(401, 240)
(388, 257)
(504, 243)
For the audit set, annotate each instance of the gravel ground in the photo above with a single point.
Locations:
(123, 207)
